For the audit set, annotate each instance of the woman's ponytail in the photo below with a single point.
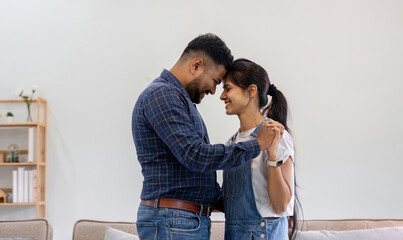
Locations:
(278, 107)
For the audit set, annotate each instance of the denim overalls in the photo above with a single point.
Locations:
(242, 219)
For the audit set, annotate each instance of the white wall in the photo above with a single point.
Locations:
(338, 62)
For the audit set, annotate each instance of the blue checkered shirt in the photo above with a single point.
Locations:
(173, 147)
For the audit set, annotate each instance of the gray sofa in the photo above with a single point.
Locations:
(40, 229)
(37, 229)
(95, 230)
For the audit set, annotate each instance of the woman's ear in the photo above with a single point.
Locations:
(252, 89)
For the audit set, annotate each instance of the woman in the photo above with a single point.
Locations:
(259, 195)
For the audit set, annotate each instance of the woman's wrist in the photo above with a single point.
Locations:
(272, 157)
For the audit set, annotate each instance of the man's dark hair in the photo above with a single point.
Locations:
(214, 47)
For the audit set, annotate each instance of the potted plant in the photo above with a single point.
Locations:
(10, 117)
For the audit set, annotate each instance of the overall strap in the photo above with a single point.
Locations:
(233, 137)
(254, 134)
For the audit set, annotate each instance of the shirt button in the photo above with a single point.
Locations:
(262, 224)
(262, 235)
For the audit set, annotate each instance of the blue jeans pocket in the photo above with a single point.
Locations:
(185, 221)
(188, 226)
(147, 230)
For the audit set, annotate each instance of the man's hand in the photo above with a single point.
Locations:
(272, 150)
(267, 133)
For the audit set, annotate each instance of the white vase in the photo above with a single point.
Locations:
(10, 119)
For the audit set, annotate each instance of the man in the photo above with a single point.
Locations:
(178, 162)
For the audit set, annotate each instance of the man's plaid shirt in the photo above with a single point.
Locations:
(173, 147)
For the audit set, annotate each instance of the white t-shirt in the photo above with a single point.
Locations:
(259, 173)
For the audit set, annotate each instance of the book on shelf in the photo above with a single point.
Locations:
(15, 195)
(34, 186)
(24, 185)
(31, 144)
(30, 187)
(20, 184)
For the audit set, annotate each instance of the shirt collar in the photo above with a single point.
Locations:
(167, 75)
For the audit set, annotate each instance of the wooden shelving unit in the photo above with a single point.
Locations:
(40, 159)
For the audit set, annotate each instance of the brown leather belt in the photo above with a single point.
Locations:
(179, 204)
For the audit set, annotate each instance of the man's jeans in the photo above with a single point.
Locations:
(171, 224)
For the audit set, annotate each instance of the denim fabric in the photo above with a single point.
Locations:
(173, 147)
(171, 224)
(242, 219)
(263, 229)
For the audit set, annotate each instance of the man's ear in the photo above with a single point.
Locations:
(252, 89)
(196, 66)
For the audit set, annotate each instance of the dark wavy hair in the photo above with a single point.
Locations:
(214, 47)
(244, 73)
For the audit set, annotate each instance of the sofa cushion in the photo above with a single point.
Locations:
(95, 230)
(114, 234)
(348, 224)
(373, 234)
(217, 230)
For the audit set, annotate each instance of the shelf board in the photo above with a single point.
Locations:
(22, 204)
(23, 151)
(22, 164)
(20, 124)
(18, 101)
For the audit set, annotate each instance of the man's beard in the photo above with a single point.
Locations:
(193, 90)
